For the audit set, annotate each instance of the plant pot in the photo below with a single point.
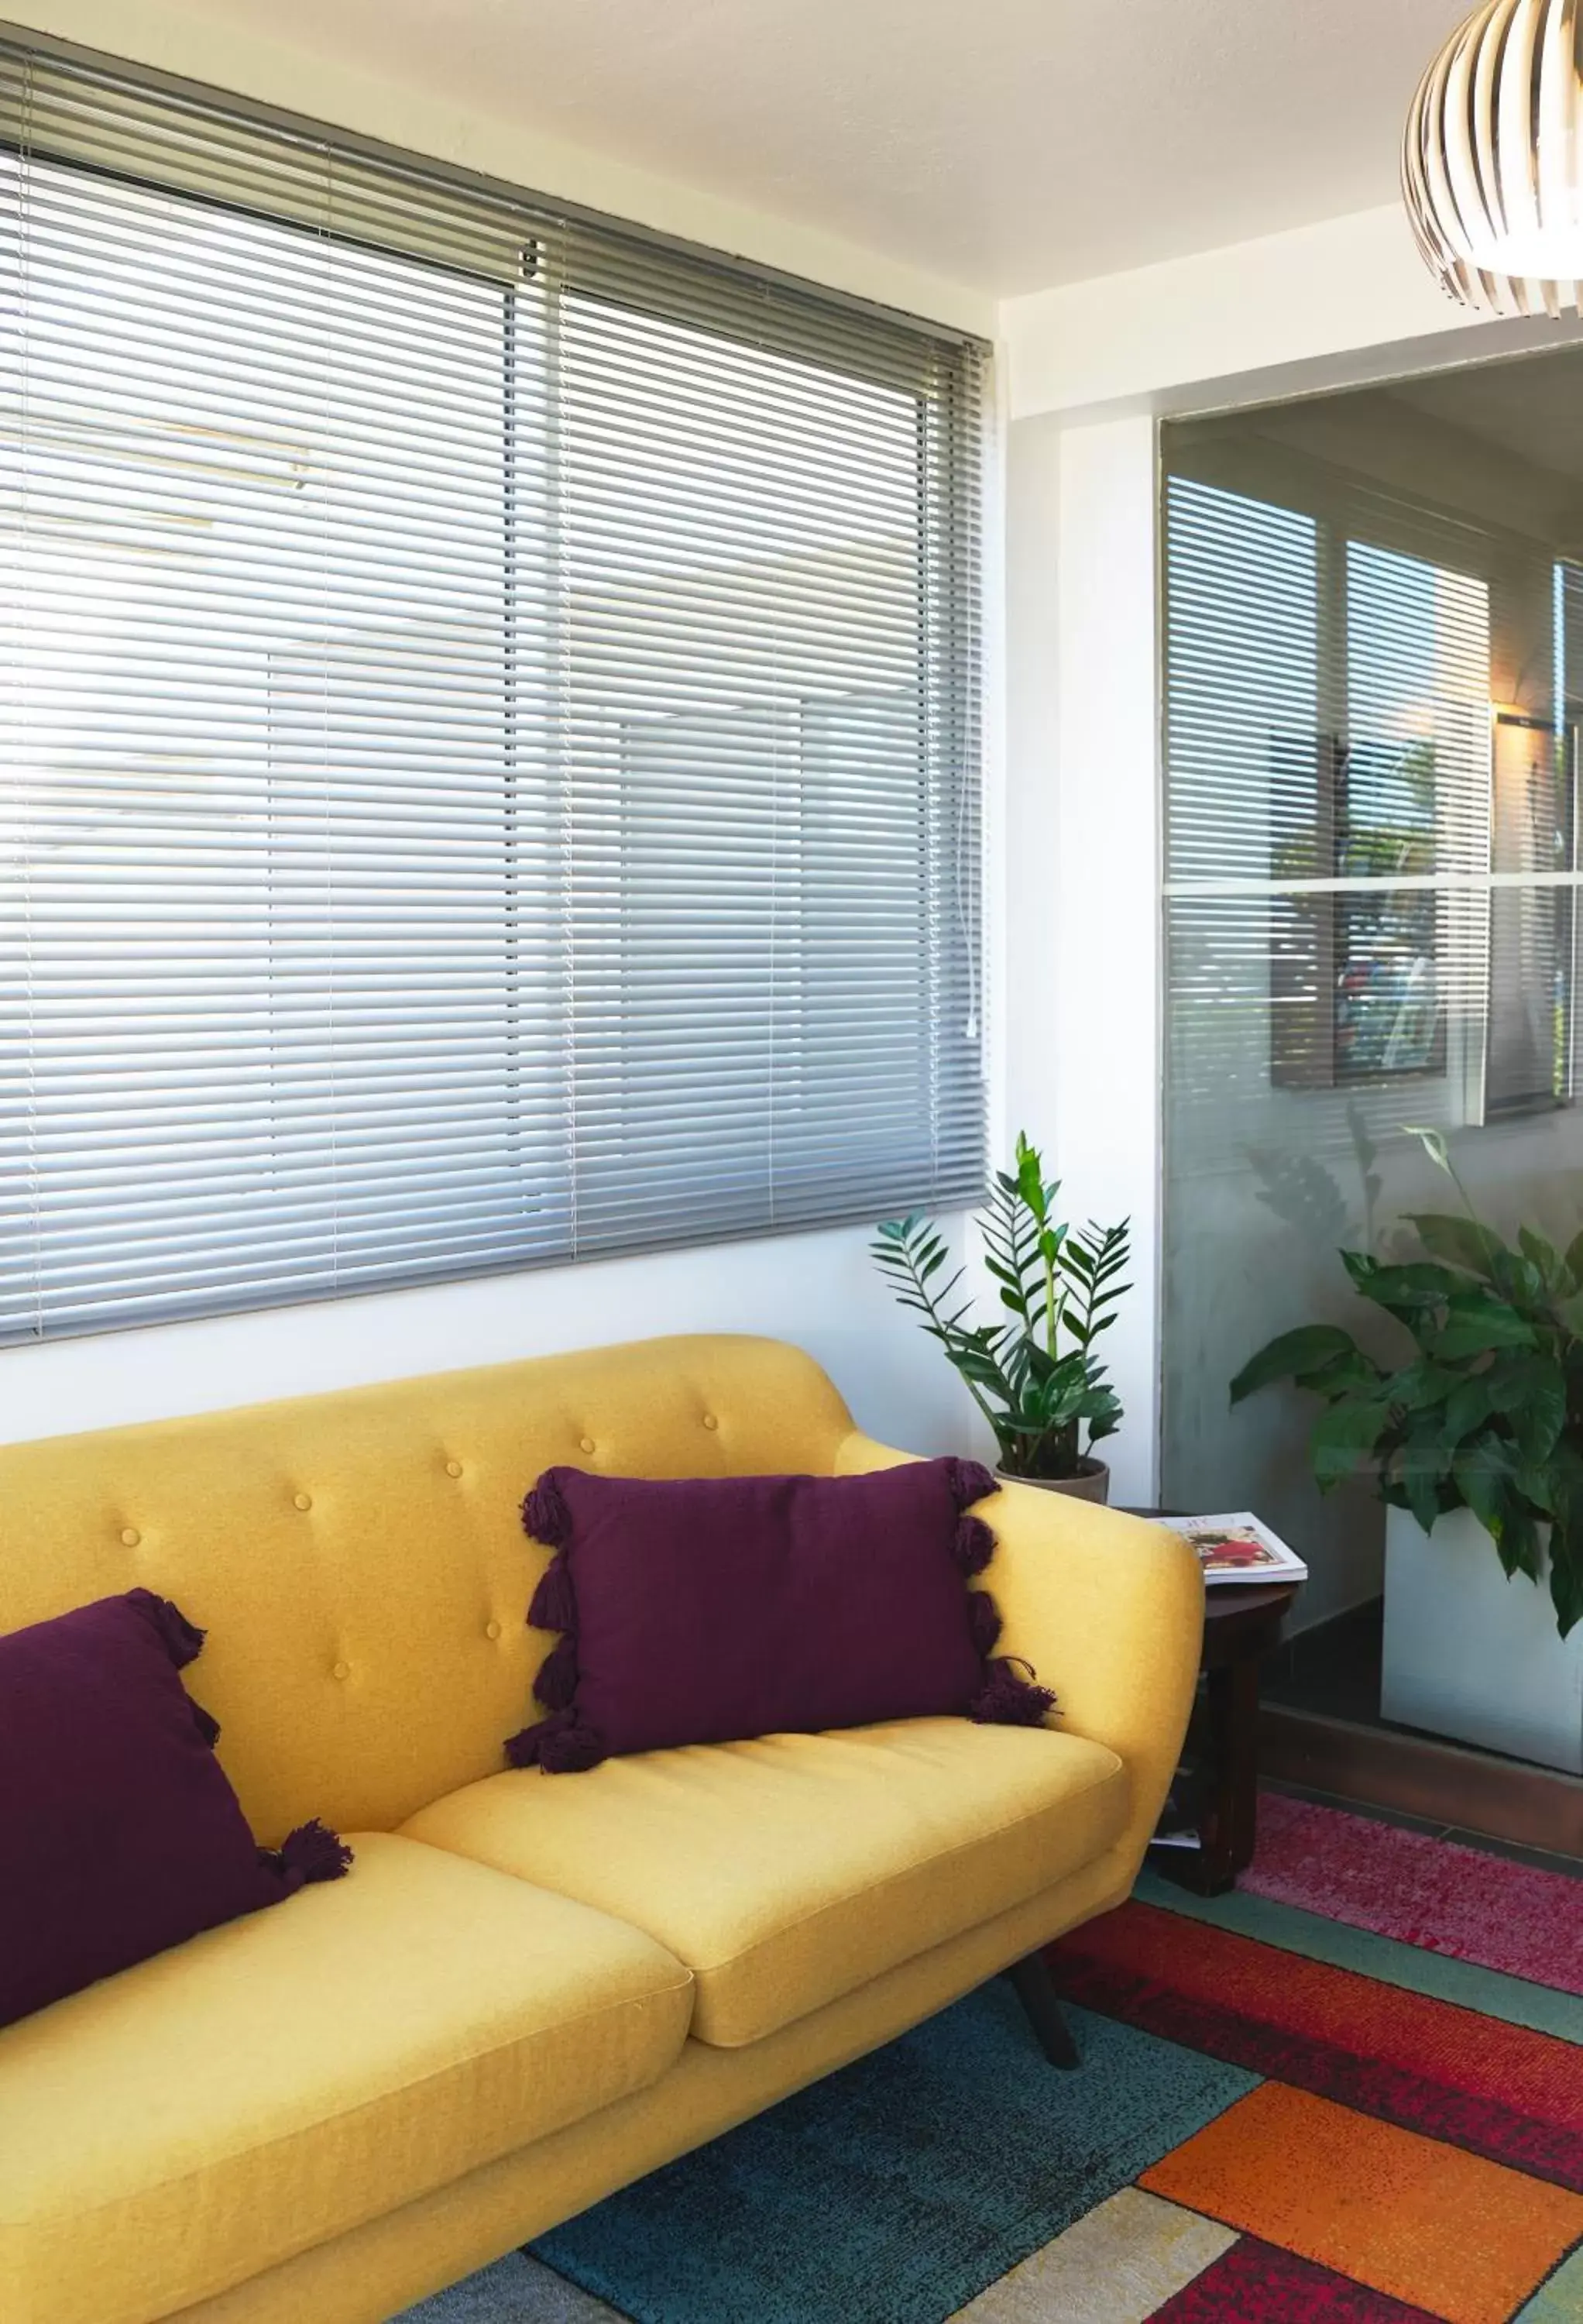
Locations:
(1091, 1483)
(1473, 1656)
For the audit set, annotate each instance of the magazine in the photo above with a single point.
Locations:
(1238, 1548)
(1182, 1813)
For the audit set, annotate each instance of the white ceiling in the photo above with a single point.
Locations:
(1004, 144)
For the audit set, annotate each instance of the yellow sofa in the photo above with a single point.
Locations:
(531, 1990)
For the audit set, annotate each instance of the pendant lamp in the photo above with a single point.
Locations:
(1492, 164)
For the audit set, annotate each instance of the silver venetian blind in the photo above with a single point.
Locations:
(489, 755)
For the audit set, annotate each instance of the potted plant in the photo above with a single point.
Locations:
(1034, 1376)
(1474, 1439)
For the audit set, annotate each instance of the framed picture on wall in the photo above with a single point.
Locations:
(1355, 972)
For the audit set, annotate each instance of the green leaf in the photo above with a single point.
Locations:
(1539, 1486)
(1349, 1374)
(1460, 1242)
(1532, 1393)
(1422, 1494)
(1467, 1408)
(1410, 1291)
(1519, 1282)
(1518, 1545)
(1030, 1179)
(1343, 1437)
(1476, 1325)
(1484, 1473)
(1104, 1416)
(1421, 1467)
(1361, 1267)
(1542, 1256)
(1419, 1385)
(1566, 1581)
(1306, 1350)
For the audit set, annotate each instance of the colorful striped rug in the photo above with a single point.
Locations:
(1350, 2093)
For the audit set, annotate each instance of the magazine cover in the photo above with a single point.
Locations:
(1238, 1548)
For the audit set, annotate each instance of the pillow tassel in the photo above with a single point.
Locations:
(983, 1622)
(969, 1481)
(973, 1545)
(544, 1514)
(573, 1751)
(1009, 1700)
(523, 1748)
(557, 1683)
(182, 1640)
(555, 1601)
(560, 1745)
(312, 1852)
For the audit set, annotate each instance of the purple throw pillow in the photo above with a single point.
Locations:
(119, 1832)
(709, 1609)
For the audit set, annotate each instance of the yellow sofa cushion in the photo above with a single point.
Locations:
(174, 2130)
(789, 1871)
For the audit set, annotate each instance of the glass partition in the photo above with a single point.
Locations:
(1374, 676)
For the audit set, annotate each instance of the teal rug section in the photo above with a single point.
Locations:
(896, 2191)
(1439, 1975)
(516, 2290)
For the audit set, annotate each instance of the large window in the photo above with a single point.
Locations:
(489, 757)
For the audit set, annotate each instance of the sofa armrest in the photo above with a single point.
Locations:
(1109, 1609)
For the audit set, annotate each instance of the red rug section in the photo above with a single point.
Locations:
(1254, 2283)
(1499, 2091)
(1425, 1891)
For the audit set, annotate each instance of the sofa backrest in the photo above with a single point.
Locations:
(358, 1558)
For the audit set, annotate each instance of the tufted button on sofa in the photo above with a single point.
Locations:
(529, 1990)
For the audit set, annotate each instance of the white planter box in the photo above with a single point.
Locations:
(1470, 1654)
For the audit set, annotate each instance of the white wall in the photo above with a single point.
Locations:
(1081, 929)
(1317, 307)
(819, 1291)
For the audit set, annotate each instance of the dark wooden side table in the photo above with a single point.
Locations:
(1241, 1624)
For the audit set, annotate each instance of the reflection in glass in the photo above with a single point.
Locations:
(1374, 676)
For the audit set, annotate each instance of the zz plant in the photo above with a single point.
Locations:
(1484, 1413)
(1035, 1375)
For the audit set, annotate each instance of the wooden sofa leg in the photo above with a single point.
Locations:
(1036, 1989)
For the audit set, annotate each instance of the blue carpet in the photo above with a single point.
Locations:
(895, 2190)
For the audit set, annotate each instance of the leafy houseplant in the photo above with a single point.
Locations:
(1487, 1411)
(1034, 1376)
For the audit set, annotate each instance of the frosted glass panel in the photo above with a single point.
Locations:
(1370, 768)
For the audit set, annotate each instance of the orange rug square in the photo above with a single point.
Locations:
(1467, 2239)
